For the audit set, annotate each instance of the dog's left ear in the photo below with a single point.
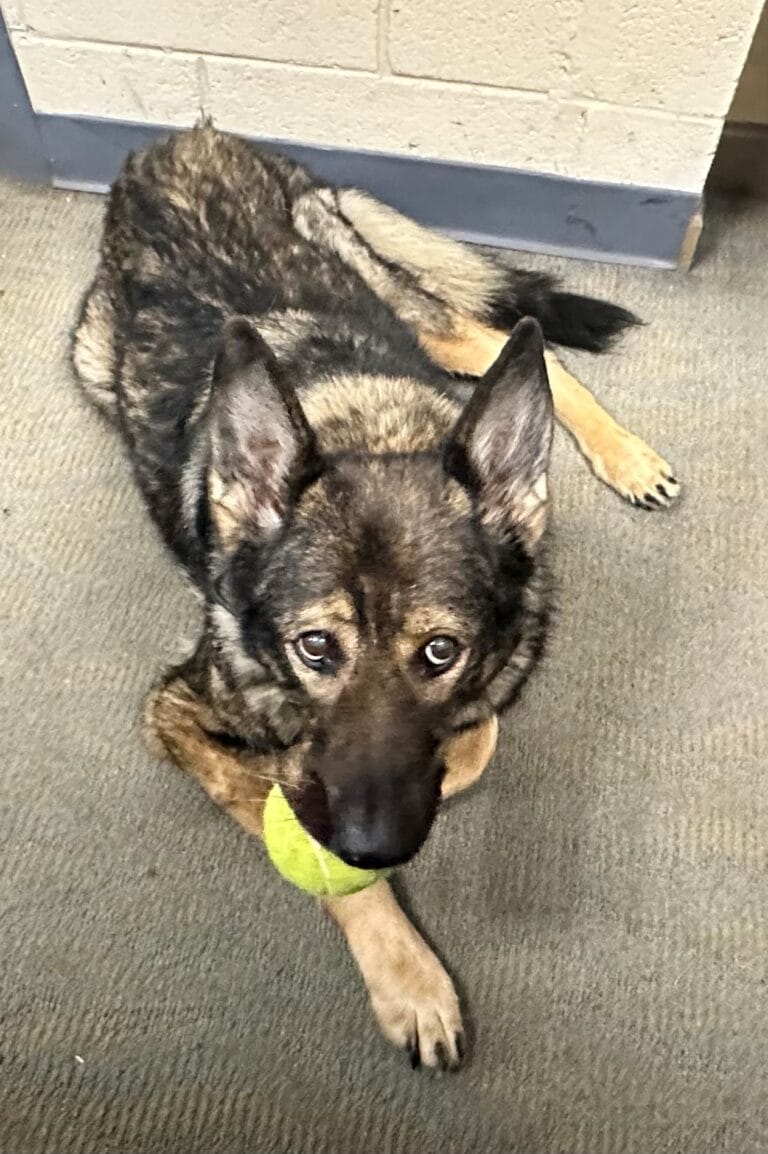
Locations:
(262, 446)
(502, 440)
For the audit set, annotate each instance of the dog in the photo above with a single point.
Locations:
(340, 423)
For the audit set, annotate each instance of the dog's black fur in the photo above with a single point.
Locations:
(386, 480)
(349, 510)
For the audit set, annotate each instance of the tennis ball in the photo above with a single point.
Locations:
(302, 860)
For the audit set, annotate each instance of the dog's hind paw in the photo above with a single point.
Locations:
(633, 469)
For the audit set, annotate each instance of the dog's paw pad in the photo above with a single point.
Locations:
(635, 471)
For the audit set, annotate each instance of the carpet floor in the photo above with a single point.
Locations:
(601, 897)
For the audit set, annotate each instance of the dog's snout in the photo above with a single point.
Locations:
(375, 756)
(382, 823)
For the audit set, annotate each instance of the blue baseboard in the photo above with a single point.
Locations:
(496, 206)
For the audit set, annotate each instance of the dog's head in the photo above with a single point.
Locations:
(376, 564)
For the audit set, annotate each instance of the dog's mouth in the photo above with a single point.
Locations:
(309, 801)
(365, 826)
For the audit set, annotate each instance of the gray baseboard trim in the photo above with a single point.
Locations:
(495, 206)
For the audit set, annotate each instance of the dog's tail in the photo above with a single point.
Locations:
(478, 283)
(580, 322)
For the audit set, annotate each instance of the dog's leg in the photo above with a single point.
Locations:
(412, 996)
(443, 290)
(180, 726)
(618, 457)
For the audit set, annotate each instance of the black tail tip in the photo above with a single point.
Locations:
(585, 323)
(566, 318)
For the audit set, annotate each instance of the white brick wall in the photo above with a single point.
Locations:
(287, 30)
(609, 90)
(671, 55)
(482, 41)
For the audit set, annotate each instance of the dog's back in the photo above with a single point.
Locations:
(199, 229)
(205, 226)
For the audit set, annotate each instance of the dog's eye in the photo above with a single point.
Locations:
(440, 653)
(317, 649)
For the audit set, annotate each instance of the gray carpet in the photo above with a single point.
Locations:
(602, 898)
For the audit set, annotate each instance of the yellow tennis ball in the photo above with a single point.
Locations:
(302, 860)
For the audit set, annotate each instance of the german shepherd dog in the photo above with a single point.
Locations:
(340, 423)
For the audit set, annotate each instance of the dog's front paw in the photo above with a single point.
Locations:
(633, 469)
(413, 998)
(417, 1009)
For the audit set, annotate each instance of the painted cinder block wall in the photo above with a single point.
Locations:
(604, 90)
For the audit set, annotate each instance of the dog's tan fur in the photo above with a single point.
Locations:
(411, 994)
(460, 277)
(442, 267)
(618, 457)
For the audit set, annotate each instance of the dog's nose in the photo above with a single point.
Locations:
(358, 847)
(375, 839)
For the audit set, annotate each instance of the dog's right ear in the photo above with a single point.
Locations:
(262, 447)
